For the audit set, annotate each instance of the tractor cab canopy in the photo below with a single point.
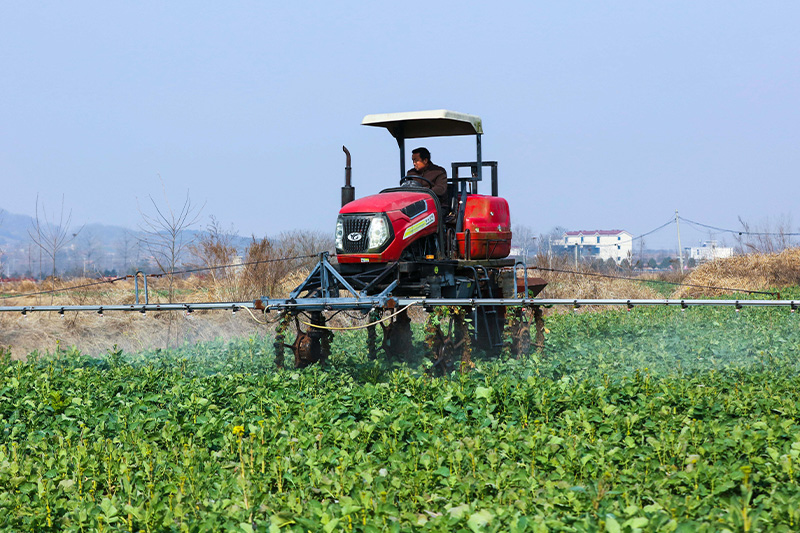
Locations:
(418, 124)
(436, 123)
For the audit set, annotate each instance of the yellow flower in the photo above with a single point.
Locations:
(238, 430)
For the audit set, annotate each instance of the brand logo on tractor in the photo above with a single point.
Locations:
(355, 236)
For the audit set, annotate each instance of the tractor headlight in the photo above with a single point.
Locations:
(379, 232)
(339, 233)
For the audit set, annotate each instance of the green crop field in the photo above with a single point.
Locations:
(650, 420)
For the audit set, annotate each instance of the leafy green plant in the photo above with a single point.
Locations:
(653, 420)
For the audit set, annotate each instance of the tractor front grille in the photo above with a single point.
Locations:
(355, 225)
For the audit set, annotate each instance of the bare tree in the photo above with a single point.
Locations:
(524, 238)
(90, 243)
(51, 237)
(764, 238)
(306, 244)
(215, 251)
(164, 234)
(550, 244)
(124, 251)
(30, 259)
(265, 268)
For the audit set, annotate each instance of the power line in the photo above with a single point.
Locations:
(662, 226)
(202, 269)
(716, 228)
(740, 232)
(63, 289)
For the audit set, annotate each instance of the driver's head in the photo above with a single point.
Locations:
(420, 157)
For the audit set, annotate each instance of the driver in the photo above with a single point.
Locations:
(435, 175)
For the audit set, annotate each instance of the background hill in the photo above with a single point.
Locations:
(89, 249)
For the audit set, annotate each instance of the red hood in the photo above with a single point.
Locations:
(384, 202)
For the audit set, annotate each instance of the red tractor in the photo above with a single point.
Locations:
(403, 237)
(401, 245)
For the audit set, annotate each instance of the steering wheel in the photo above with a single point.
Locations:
(411, 178)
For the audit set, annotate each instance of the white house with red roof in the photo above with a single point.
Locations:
(600, 244)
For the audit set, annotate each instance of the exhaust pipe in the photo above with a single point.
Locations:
(348, 191)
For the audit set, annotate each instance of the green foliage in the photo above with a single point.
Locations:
(653, 420)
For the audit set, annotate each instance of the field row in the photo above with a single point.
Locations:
(629, 421)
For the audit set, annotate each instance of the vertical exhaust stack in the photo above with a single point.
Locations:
(348, 191)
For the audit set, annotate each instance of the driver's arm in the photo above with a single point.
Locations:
(439, 181)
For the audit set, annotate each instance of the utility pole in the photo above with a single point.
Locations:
(641, 253)
(576, 255)
(680, 250)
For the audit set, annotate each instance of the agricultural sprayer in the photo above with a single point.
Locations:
(407, 247)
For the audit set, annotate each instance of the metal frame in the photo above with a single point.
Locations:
(136, 287)
(385, 301)
(331, 282)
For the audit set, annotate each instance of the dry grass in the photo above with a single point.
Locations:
(587, 284)
(753, 272)
(93, 292)
(94, 335)
(262, 271)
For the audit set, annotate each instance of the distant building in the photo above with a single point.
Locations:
(599, 244)
(709, 251)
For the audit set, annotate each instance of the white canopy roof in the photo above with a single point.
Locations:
(417, 124)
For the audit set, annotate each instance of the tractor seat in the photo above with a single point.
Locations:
(451, 209)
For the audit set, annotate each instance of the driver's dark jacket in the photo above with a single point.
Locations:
(438, 178)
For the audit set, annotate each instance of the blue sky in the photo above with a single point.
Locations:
(601, 115)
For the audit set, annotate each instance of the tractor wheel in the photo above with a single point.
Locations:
(397, 339)
(447, 348)
(313, 345)
(518, 329)
(538, 320)
(488, 321)
(279, 345)
(372, 338)
(463, 339)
